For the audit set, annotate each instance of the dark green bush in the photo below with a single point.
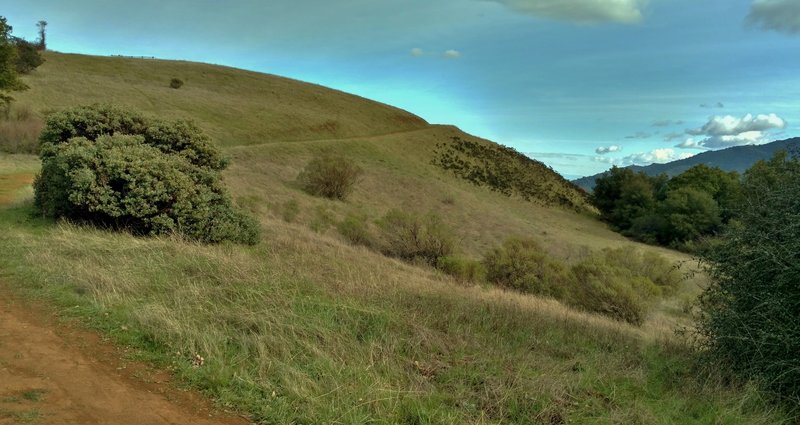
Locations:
(28, 56)
(329, 176)
(179, 137)
(414, 237)
(750, 320)
(134, 179)
(175, 83)
(463, 269)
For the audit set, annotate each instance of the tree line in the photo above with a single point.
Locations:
(677, 212)
(17, 56)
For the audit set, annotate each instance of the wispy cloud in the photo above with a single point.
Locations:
(602, 150)
(452, 54)
(639, 135)
(659, 156)
(581, 11)
(447, 54)
(775, 15)
(666, 123)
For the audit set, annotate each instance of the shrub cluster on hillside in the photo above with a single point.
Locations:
(503, 169)
(750, 318)
(330, 176)
(675, 212)
(618, 283)
(112, 167)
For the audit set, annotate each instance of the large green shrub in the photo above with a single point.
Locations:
(122, 170)
(750, 320)
(329, 176)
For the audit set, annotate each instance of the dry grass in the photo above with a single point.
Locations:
(19, 130)
(235, 107)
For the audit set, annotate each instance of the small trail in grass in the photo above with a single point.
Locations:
(54, 374)
(51, 373)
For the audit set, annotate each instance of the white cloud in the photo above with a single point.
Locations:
(726, 131)
(452, 54)
(581, 11)
(745, 138)
(659, 156)
(417, 52)
(690, 143)
(730, 126)
(672, 136)
(776, 15)
(602, 150)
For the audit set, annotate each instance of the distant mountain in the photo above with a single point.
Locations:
(738, 158)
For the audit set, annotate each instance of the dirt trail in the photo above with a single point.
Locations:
(53, 374)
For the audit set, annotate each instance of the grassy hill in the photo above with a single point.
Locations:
(306, 328)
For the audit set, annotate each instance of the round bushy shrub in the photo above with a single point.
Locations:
(329, 176)
(175, 83)
(124, 171)
(414, 237)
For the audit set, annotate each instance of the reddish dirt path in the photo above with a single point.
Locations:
(54, 374)
(51, 373)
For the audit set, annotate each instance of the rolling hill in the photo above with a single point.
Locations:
(307, 328)
(737, 158)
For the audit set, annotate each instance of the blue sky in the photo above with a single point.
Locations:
(578, 84)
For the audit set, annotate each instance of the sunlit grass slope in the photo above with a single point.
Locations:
(235, 107)
(304, 327)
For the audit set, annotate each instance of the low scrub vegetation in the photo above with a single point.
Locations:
(19, 130)
(503, 169)
(750, 312)
(114, 168)
(329, 176)
(415, 237)
(175, 83)
(618, 283)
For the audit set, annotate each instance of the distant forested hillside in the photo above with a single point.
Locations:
(738, 158)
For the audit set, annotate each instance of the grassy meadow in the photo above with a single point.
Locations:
(306, 328)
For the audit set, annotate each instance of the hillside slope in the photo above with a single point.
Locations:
(307, 328)
(235, 107)
(737, 158)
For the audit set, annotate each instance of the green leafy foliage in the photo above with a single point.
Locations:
(329, 176)
(619, 283)
(750, 318)
(503, 169)
(28, 56)
(9, 80)
(676, 212)
(119, 170)
(414, 237)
